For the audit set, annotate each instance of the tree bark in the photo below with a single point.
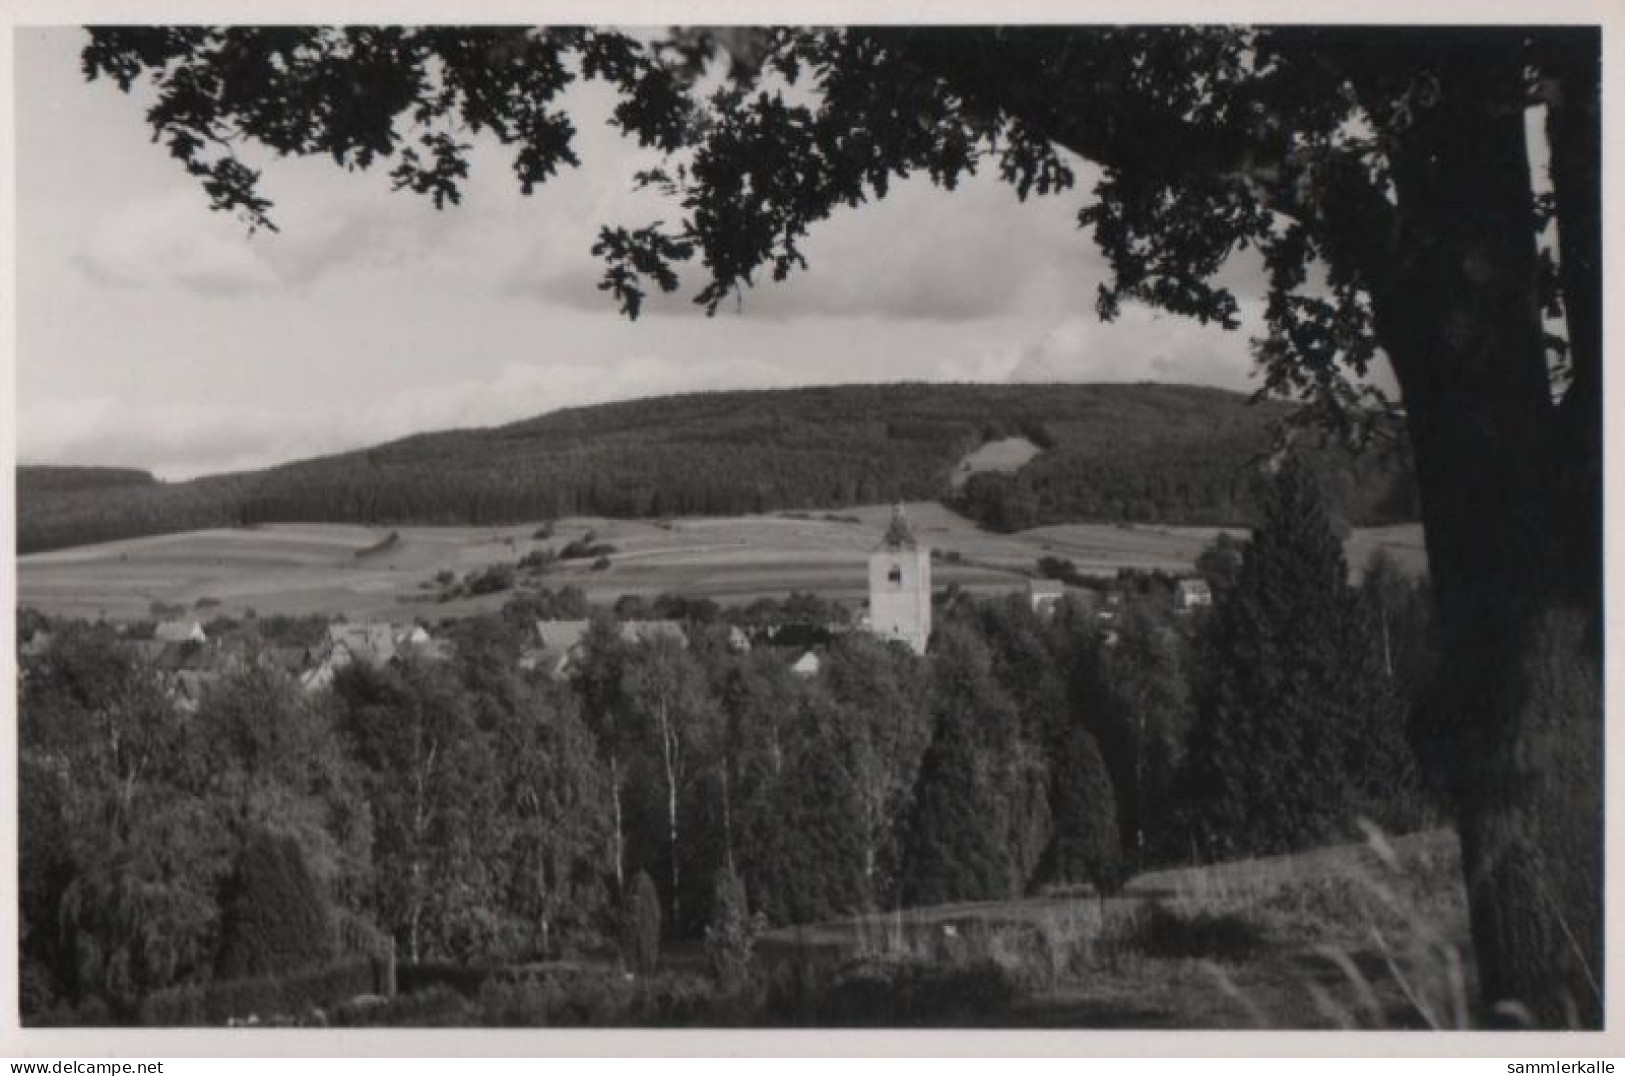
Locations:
(1574, 137)
(668, 746)
(620, 840)
(1517, 713)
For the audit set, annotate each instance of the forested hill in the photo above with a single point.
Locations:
(38, 481)
(1174, 454)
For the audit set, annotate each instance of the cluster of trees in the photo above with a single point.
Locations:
(1303, 703)
(1175, 481)
(40, 479)
(477, 814)
(1385, 175)
(1112, 452)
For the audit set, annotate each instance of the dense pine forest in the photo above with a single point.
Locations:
(1164, 453)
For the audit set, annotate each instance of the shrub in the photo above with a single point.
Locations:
(640, 926)
(585, 548)
(537, 560)
(601, 564)
(1195, 935)
(466, 979)
(178, 1006)
(276, 920)
(544, 533)
(493, 580)
(890, 993)
(558, 997)
(571, 995)
(266, 997)
(436, 1006)
(732, 934)
(1060, 568)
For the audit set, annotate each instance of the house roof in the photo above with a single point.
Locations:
(428, 649)
(567, 634)
(562, 635)
(1046, 588)
(560, 640)
(642, 631)
(536, 657)
(1194, 587)
(368, 641)
(174, 631)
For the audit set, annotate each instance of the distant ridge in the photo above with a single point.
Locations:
(1142, 452)
(42, 479)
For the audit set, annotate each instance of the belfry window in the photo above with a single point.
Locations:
(895, 575)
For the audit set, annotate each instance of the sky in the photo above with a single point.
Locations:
(154, 333)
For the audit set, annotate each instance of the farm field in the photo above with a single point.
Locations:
(327, 568)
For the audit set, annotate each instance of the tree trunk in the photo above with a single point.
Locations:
(668, 747)
(620, 839)
(1516, 718)
(727, 821)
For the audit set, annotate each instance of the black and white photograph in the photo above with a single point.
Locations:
(1060, 525)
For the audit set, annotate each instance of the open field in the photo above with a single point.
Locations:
(315, 568)
(1006, 455)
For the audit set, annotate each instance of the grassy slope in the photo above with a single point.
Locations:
(1370, 935)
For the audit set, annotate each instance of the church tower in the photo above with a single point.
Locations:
(900, 586)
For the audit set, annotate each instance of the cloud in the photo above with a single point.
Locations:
(181, 440)
(166, 240)
(1143, 344)
(922, 253)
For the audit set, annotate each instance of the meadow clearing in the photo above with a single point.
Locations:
(349, 570)
(1006, 455)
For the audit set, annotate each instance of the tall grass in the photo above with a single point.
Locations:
(1373, 937)
(1367, 936)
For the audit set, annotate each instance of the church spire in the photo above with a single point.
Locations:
(898, 536)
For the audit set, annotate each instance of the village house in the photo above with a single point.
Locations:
(1045, 594)
(374, 643)
(1193, 594)
(180, 631)
(36, 644)
(184, 669)
(558, 642)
